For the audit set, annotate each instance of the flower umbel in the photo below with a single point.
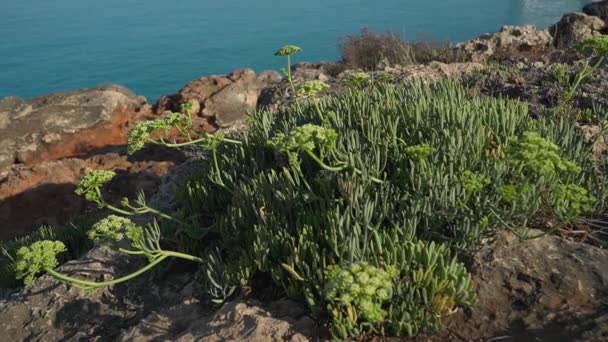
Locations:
(541, 157)
(91, 182)
(311, 88)
(360, 285)
(108, 231)
(287, 50)
(36, 258)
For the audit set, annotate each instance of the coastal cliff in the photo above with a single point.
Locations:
(552, 287)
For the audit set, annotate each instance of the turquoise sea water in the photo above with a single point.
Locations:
(156, 46)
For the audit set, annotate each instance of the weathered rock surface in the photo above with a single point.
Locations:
(43, 194)
(66, 124)
(544, 289)
(222, 100)
(548, 288)
(234, 321)
(598, 9)
(574, 28)
(509, 40)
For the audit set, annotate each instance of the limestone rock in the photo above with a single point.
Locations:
(509, 40)
(575, 27)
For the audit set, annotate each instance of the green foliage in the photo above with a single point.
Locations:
(443, 159)
(436, 285)
(356, 80)
(310, 89)
(598, 45)
(73, 236)
(560, 74)
(37, 257)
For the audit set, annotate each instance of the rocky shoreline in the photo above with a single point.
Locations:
(551, 288)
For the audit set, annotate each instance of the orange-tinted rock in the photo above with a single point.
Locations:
(66, 124)
(43, 194)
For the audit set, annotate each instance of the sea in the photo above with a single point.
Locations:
(155, 47)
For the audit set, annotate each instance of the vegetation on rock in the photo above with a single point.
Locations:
(361, 205)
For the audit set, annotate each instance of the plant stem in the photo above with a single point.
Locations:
(181, 256)
(92, 284)
(323, 165)
(130, 252)
(339, 168)
(293, 88)
(217, 167)
(586, 72)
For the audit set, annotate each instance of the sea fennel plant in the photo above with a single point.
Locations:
(401, 178)
(41, 256)
(390, 186)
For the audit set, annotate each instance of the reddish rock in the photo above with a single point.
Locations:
(66, 124)
(222, 99)
(43, 194)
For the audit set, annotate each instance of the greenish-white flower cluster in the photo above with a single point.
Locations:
(109, 231)
(356, 80)
(360, 285)
(91, 182)
(305, 138)
(541, 157)
(37, 257)
(474, 182)
(419, 152)
(310, 89)
(287, 50)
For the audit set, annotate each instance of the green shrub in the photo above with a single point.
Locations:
(73, 236)
(308, 197)
(359, 205)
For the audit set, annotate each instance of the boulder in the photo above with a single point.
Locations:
(597, 9)
(509, 40)
(66, 124)
(233, 102)
(575, 27)
(220, 99)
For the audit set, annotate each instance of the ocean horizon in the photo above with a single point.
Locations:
(155, 47)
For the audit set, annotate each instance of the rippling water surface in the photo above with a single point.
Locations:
(156, 46)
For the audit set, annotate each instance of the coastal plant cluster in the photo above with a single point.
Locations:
(361, 205)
